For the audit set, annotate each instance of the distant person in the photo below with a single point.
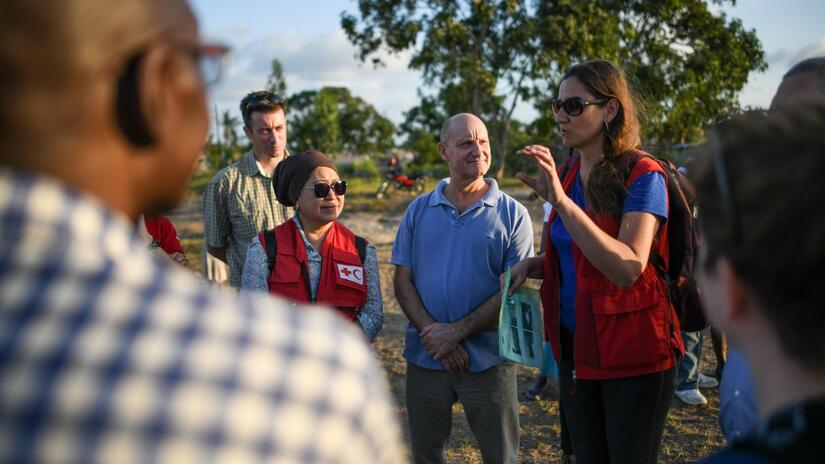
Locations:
(607, 311)
(107, 354)
(452, 246)
(804, 83)
(316, 258)
(548, 369)
(162, 236)
(762, 270)
(689, 379)
(239, 202)
(394, 166)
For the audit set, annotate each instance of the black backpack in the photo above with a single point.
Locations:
(271, 247)
(683, 242)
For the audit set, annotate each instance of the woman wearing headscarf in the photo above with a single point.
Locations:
(313, 257)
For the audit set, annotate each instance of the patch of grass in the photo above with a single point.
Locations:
(192, 249)
(510, 182)
(199, 180)
(361, 197)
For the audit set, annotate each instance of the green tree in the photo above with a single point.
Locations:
(333, 120)
(324, 129)
(476, 54)
(487, 56)
(689, 63)
(223, 146)
(229, 125)
(276, 83)
(421, 127)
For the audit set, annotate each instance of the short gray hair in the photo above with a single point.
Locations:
(445, 130)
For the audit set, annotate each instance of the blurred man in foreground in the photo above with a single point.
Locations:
(106, 353)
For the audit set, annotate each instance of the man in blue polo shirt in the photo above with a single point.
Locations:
(451, 248)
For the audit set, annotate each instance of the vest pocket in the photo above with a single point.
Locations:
(631, 328)
(348, 270)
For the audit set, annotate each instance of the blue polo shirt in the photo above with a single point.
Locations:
(456, 260)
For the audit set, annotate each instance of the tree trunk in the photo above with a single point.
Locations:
(504, 140)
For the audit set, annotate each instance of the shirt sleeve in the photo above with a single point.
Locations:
(402, 247)
(255, 275)
(521, 243)
(648, 194)
(371, 316)
(216, 227)
(737, 406)
(168, 239)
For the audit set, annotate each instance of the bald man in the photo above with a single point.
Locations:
(802, 85)
(106, 353)
(451, 248)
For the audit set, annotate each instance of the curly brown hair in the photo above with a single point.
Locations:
(605, 187)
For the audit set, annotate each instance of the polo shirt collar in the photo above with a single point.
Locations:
(489, 199)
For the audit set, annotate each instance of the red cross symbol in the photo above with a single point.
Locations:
(346, 271)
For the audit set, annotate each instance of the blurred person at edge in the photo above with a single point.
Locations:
(161, 237)
(608, 315)
(802, 84)
(762, 268)
(317, 257)
(110, 355)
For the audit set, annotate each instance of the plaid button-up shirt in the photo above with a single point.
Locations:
(238, 204)
(110, 355)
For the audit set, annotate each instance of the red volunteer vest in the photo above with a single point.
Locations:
(342, 284)
(620, 332)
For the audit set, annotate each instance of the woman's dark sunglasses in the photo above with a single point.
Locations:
(574, 106)
(321, 189)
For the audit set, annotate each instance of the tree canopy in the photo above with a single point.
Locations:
(332, 120)
(276, 83)
(487, 56)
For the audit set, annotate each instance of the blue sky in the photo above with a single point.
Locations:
(306, 36)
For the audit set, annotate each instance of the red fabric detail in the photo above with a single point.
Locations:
(620, 332)
(162, 230)
(287, 278)
(404, 180)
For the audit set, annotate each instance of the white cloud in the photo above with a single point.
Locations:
(811, 51)
(312, 62)
(785, 58)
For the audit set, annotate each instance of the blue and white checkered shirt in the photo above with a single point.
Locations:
(108, 355)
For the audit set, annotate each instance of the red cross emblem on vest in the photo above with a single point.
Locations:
(351, 273)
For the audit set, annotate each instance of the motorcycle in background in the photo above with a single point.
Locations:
(413, 184)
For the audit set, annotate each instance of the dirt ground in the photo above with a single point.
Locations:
(691, 433)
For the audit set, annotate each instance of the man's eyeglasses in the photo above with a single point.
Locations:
(574, 106)
(211, 60)
(725, 189)
(321, 189)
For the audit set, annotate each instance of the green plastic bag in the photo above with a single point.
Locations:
(520, 325)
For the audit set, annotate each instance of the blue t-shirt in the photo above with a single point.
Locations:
(456, 260)
(648, 193)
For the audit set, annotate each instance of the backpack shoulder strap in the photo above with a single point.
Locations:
(271, 247)
(361, 245)
(633, 157)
